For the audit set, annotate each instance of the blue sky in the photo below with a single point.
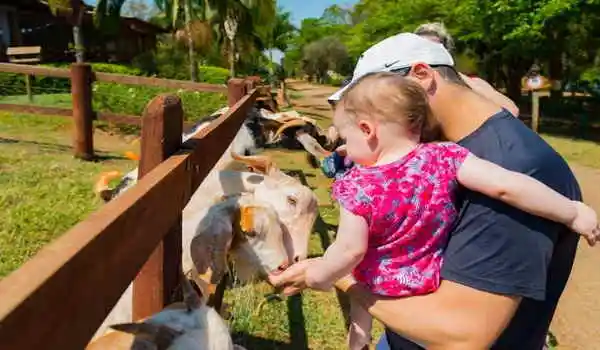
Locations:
(300, 9)
(309, 8)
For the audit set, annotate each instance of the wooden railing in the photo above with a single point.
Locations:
(82, 77)
(59, 298)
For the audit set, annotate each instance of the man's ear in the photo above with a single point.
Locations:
(425, 76)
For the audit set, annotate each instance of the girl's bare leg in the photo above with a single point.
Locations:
(359, 333)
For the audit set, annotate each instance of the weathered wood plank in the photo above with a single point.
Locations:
(23, 50)
(158, 82)
(158, 279)
(57, 299)
(35, 70)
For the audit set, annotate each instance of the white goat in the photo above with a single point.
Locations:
(274, 206)
(190, 325)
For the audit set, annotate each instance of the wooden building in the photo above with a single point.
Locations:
(31, 23)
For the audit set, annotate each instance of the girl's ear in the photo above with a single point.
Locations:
(367, 128)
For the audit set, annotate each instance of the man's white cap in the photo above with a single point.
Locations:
(397, 52)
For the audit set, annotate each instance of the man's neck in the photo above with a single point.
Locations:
(461, 111)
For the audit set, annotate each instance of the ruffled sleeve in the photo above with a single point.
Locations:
(353, 195)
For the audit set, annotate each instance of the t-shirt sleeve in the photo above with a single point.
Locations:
(352, 194)
(451, 156)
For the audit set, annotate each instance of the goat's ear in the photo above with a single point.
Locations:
(192, 300)
(247, 219)
(210, 245)
(160, 336)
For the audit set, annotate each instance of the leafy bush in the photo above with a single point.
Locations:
(213, 75)
(129, 99)
(14, 84)
(124, 99)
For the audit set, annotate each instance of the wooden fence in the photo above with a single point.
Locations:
(82, 77)
(59, 298)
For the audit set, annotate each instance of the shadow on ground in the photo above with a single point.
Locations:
(47, 147)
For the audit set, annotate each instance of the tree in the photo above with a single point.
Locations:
(251, 19)
(280, 34)
(106, 14)
(324, 55)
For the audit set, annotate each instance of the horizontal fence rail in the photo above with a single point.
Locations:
(68, 112)
(82, 76)
(58, 299)
(113, 78)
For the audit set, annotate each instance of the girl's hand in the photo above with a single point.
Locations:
(586, 223)
(292, 279)
(341, 150)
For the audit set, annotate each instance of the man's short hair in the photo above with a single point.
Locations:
(450, 74)
(438, 30)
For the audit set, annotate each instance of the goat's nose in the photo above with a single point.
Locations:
(296, 258)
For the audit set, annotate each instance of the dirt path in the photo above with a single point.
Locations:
(576, 324)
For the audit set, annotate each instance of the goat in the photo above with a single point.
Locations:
(190, 325)
(245, 214)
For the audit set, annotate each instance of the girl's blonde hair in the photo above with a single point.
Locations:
(393, 98)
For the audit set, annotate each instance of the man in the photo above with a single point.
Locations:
(504, 270)
(437, 32)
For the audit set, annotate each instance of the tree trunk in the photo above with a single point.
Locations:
(78, 41)
(191, 52)
(232, 58)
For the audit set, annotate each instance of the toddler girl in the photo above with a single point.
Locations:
(397, 202)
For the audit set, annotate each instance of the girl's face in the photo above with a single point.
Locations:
(359, 136)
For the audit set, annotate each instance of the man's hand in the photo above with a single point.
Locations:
(586, 223)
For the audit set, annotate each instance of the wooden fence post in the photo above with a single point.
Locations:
(83, 114)
(156, 283)
(236, 89)
(535, 110)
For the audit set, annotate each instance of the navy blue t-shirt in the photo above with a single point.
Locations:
(497, 248)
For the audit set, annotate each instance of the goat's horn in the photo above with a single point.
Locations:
(295, 122)
(101, 187)
(263, 164)
(311, 145)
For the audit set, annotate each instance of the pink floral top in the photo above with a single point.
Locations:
(409, 207)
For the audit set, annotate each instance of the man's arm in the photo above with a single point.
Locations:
(486, 90)
(453, 317)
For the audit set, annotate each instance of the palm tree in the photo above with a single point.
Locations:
(194, 20)
(280, 34)
(246, 20)
(106, 13)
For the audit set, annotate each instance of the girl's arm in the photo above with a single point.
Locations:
(527, 194)
(343, 255)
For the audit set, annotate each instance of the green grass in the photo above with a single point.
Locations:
(47, 100)
(579, 151)
(45, 191)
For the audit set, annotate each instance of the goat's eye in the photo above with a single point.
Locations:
(292, 201)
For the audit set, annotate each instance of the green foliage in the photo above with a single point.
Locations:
(131, 100)
(327, 54)
(498, 40)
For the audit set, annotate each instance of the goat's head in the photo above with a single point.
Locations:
(295, 203)
(244, 227)
(190, 325)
